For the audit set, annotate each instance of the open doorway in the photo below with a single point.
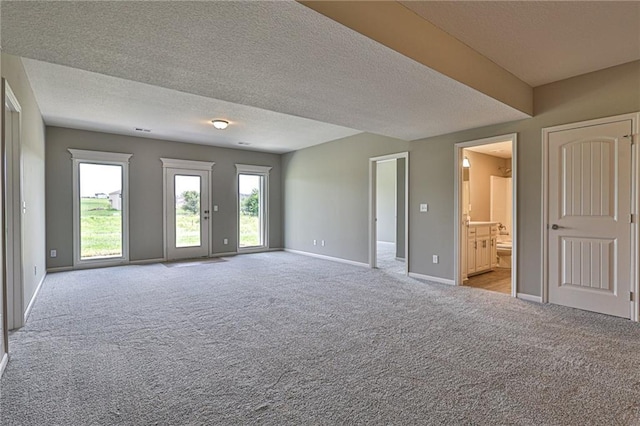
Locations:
(388, 234)
(486, 209)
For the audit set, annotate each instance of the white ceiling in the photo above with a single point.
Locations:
(498, 149)
(244, 61)
(542, 41)
(69, 97)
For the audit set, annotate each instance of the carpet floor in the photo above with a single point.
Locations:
(278, 338)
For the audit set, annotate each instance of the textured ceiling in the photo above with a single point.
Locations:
(542, 41)
(276, 56)
(69, 97)
(498, 149)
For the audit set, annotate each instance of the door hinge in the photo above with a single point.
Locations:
(631, 296)
(630, 218)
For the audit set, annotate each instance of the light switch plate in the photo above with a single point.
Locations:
(435, 258)
(215, 208)
(424, 208)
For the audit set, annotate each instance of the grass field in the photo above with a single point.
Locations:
(249, 231)
(187, 229)
(100, 229)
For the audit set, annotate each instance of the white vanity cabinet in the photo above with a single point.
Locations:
(482, 254)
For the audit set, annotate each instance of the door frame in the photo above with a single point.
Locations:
(373, 167)
(13, 207)
(635, 203)
(458, 246)
(173, 163)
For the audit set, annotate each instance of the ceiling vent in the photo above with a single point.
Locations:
(140, 129)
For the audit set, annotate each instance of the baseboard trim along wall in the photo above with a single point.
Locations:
(330, 258)
(3, 363)
(146, 261)
(59, 269)
(529, 298)
(430, 278)
(33, 299)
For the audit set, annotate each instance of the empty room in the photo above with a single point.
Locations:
(319, 212)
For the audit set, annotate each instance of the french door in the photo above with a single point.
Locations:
(187, 213)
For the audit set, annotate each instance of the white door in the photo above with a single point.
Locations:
(589, 218)
(187, 213)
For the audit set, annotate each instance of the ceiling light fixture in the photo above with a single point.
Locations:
(220, 124)
(465, 163)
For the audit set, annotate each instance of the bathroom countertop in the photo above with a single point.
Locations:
(482, 223)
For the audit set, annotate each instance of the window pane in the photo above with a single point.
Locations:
(100, 210)
(187, 204)
(250, 197)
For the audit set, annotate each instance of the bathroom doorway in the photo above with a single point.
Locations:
(485, 249)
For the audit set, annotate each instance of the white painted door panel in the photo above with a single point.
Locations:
(589, 218)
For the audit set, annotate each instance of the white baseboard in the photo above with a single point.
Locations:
(146, 261)
(33, 299)
(3, 363)
(330, 258)
(529, 298)
(430, 278)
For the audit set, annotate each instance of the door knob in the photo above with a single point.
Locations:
(554, 226)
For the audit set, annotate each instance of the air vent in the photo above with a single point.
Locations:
(244, 143)
(140, 129)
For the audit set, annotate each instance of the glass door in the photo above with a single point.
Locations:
(188, 214)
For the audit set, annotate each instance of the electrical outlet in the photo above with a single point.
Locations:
(54, 253)
(322, 243)
(315, 242)
(435, 258)
(225, 241)
(424, 208)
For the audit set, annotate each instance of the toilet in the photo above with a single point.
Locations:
(504, 253)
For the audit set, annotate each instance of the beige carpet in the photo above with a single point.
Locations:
(279, 338)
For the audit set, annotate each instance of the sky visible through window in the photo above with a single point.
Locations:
(99, 179)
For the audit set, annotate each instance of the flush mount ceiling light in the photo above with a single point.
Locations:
(465, 163)
(220, 124)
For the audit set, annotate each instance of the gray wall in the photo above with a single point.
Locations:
(401, 168)
(33, 166)
(326, 191)
(599, 94)
(146, 192)
(386, 201)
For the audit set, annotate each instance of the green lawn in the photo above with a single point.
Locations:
(100, 229)
(249, 231)
(187, 229)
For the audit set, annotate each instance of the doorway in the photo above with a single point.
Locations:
(485, 206)
(187, 209)
(590, 236)
(389, 197)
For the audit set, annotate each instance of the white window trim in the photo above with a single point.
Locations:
(248, 169)
(109, 158)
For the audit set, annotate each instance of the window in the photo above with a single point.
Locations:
(253, 184)
(100, 207)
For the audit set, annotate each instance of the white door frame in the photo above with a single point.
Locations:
(262, 171)
(373, 163)
(458, 246)
(635, 202)
(13, 209)
(172, 163)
